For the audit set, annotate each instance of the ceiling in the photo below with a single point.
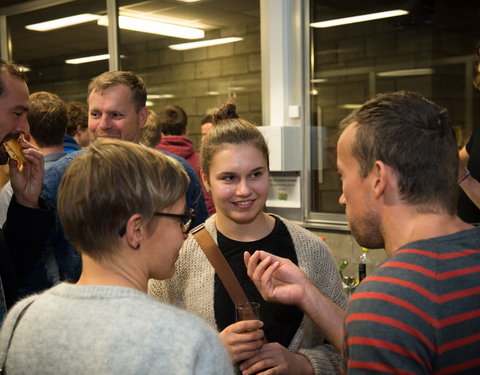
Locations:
(36, 47)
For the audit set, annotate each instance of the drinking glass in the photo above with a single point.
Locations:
(247, 311)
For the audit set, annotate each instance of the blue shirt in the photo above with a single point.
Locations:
(68, 259)
(69, 144)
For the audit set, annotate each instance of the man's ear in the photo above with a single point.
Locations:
(380, 176)
(143, 116)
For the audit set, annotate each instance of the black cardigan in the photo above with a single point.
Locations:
(22, 237)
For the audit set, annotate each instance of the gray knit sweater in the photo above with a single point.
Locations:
(193, 284)
(80, 329)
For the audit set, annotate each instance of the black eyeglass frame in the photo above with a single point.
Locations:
(186, 220)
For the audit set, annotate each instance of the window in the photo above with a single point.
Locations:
(196, 79)
(429, 49)
(44, 53)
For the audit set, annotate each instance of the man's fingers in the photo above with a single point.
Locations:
(268, 274)
(260, 268)
(251, 261)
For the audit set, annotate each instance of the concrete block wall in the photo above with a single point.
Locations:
(204, 78)
(198, 79)
(347, 63)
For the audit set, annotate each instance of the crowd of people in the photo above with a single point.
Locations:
(102, 271)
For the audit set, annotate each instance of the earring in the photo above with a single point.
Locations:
(137, 247)
(207, 189)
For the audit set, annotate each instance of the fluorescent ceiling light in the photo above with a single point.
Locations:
(63, 22)
(361, 18)
(204, 43)
(87, 59)
(350, 106)
(406, 72)
(155, 27)
(160, 96)
(24, 68)
(318, 80)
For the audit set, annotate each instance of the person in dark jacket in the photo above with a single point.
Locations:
(28, 217)
(173, 122)
(469, 171)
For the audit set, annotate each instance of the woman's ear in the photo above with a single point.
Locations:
(205, 181)
(135, 231)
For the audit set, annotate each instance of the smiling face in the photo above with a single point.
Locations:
(112, 114)
(238, 179)
(357, 195)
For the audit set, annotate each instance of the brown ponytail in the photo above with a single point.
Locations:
(229, 128)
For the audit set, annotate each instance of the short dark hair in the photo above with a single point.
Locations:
(414, 136)
(77, 113)
(131, 80)
(11, 68)
(47, 117)
(173, 120)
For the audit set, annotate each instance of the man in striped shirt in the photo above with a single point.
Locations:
(419, 312)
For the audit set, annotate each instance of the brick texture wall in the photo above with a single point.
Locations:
(199, 79)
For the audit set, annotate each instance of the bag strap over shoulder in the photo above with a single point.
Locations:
(220, 264)
(3, 370)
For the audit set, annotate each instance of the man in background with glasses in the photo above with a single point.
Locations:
(106, 323)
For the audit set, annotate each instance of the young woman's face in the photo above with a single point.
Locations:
(238, 180)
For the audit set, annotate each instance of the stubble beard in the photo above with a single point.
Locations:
(367, 231)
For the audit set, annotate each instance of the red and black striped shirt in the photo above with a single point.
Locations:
(419, 313)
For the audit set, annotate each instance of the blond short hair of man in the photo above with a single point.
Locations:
(110, 79)
(110, 182)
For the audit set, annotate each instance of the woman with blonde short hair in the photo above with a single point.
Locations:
(123, 207)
